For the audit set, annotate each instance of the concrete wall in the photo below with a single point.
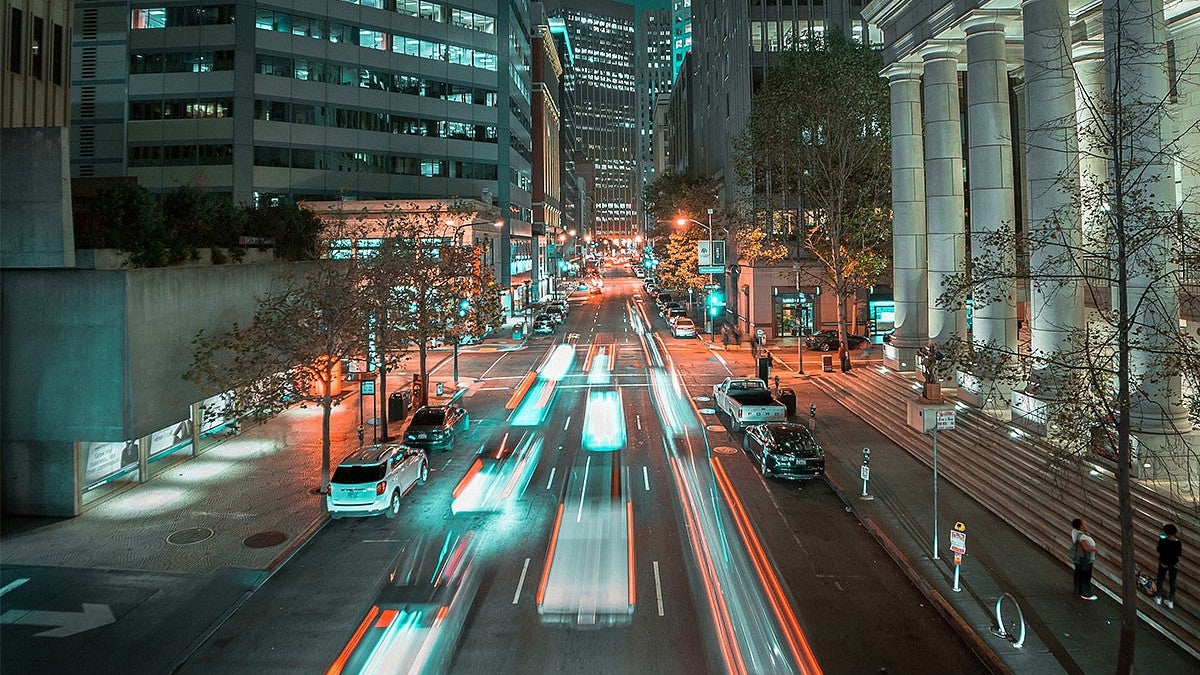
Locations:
(36, 226)
(99, 355)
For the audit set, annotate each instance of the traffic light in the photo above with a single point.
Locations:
(464, 306)
(715, 303)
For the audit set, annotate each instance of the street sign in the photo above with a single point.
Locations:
(718, 252)
(865, 472)
(711, 269)
(704, 252)
(958, 539)
(945, 419)
(366, 387)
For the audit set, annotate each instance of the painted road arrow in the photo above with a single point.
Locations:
(68, 623)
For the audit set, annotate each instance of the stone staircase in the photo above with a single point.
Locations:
(1013, 478)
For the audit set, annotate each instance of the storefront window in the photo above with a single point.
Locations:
(793, 316)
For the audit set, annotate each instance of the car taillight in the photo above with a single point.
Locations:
(380, 487)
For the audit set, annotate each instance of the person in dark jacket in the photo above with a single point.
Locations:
(1169, 550)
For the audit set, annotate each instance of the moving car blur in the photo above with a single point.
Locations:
(416, 620)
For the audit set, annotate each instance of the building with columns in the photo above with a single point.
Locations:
(1003, 166)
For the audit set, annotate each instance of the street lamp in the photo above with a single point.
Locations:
(682, 221)
(457, 237)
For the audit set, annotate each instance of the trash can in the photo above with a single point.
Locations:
(398, 405)
(827, 363)
(787, 396)
(764, 368)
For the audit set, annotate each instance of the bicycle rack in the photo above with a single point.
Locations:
(999, 631)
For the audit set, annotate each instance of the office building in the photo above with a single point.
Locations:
(378, 99)
(654, 77)
(602, 85)
(681, 34)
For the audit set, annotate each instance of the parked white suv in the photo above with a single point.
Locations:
(372, 479)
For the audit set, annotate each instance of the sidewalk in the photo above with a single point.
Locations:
(1063, 632)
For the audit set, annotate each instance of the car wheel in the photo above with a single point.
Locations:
(394, 506)
(826, 347)
(424, 473)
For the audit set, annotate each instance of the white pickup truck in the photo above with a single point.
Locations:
(748, 401)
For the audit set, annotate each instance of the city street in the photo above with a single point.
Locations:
(853, 608)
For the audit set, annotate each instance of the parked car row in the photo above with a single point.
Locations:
(374, 478)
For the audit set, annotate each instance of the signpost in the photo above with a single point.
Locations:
(866, 472)
(958, 544)
(944, 419)
(366, 387)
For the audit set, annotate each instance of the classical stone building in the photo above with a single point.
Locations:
(1002, 121)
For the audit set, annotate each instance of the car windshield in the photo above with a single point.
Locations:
(358, 473)
(428, 418)
(796, 441)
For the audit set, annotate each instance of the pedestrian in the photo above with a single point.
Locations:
(360, 434)
(1169, 550)
(1083, 554)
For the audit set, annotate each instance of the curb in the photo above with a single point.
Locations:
(297, 542)
(982, 650)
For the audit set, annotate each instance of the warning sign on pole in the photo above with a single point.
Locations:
(945, 419)
(958, 539)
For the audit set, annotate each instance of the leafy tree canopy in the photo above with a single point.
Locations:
(671, 196)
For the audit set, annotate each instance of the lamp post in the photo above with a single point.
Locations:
(800, 325)
(708, 322)
(457, 237)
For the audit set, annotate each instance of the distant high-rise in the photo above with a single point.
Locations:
(654, 77)
(681, 34)
(602, 86)
(734, 45)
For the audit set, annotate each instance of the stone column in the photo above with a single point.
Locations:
(993, 216)
(909, 283)
(1142, 203)
(1090, 106)
(1052, 181)
(944, 203)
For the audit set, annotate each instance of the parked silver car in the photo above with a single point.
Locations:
(372, 479)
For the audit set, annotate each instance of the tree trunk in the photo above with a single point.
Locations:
(424, 373)
(326, 412)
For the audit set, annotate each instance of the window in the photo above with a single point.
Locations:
(154, 17)
(16, 46)
(37, 47)
(59, 55)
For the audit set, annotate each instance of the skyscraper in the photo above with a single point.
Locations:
(681, 34)
(602, 85)
(654, 77)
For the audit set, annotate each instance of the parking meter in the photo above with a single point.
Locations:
(812, 410)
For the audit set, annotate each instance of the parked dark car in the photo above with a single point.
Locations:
(827, 341)
(784, 449)
(435, 426)
(668, 306)
(544, 323)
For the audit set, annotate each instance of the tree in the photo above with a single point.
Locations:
(129, 218)
(678, 266)
(671, 196)
(818, 129)
(415, 283)
(303, 328)
(294, 231)
(1120, 240)
(203, 219)
(756, 247)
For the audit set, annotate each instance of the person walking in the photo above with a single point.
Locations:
(1169, 550)
(1083, 554)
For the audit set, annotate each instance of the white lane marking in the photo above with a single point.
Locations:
(14, 584)
(381, 541)
(658, 588)
(639, 421)
(517, 595)
(587, 468)
(646, 477)
(447, 463)
(552, 470)
(568, 424)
